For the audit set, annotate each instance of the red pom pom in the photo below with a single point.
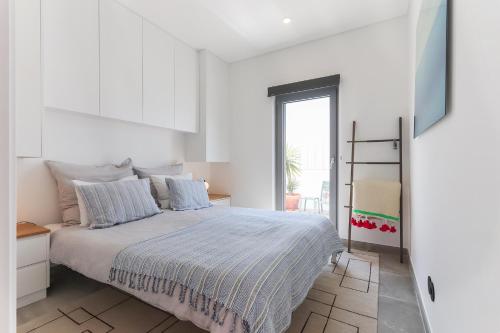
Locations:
(393, 229)
(374, 225)
(353, 221)
(366, 224)
(384, 228)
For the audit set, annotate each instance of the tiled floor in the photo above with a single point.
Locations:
(398, 307)
(397, 301)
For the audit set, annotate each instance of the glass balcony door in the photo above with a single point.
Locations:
(306, 149)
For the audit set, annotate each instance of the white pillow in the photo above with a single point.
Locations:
(160, 184)
(84, 220)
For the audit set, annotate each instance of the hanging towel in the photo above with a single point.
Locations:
(377, 199)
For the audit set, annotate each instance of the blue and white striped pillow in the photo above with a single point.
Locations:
(187, 194)
(118, 202)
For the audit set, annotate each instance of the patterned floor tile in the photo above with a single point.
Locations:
(97, 302)
(356, 284)
(335, 326)
(133, 316)
(164, 325)
(315, 323)
(79, 315)
(184, 327)
(321, 296)
(66, 325)
(365, 324)
(359, 302)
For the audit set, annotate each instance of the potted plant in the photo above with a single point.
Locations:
(292, 171)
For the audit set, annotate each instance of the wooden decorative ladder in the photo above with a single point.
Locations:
(397, 144)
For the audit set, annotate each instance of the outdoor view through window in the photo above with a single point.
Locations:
(307, 156)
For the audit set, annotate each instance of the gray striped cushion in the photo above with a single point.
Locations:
(113, 203)
(65, 173)
(169, 170)
(187, 194)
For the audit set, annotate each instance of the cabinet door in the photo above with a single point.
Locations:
(158, 77)
(216, 108)
(211, 143)
(71, 54)
(186, 88)
(121, 62)
(31, 279)
(32, 250)
(28, 93)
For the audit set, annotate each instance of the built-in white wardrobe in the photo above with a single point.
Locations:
(27, 82)
(99, 58)
(211, 143)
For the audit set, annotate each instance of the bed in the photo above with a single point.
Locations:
(249, 282)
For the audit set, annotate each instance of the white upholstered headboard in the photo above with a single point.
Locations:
(36, 193)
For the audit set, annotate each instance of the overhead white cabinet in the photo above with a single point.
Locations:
(120, 62)
(158, 77)
(27, 79)
(186, 88)
(71, 55)
(100, 58)
(211, 143)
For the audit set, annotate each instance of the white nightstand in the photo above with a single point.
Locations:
(33, 269)
(220, 199)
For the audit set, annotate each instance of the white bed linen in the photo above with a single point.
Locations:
(91, 253)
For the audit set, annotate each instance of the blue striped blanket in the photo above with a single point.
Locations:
(258, 265)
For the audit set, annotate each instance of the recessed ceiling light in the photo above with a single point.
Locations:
(287, 20)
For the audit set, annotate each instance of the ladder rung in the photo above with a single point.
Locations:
(373, 162)
(368, 141)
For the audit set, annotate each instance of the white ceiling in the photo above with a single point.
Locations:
(240, 29)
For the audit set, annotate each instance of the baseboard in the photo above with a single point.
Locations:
(372, 247)
(31, 298)
(423, 314)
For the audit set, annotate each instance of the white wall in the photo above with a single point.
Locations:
(455, 181)
(373, 64)
(7, 227)
(79, 138)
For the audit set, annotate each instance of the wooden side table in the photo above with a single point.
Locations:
(33, 268)
(220, 199)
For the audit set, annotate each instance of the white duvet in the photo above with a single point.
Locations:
(91, 252)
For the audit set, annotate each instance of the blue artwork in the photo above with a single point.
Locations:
(430, 81)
